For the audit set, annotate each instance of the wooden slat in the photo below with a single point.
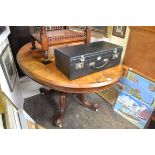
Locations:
(140, 52)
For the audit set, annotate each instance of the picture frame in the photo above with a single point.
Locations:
(10, 118)
(8, 66)
(110, 95)
(133, 109)
(119, 31)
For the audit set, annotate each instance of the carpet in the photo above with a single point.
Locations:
(44, 108)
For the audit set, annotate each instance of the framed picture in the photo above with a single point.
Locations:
(119, 31)
(133, 109)
(10, 118)
(8, 66)
(110, 95)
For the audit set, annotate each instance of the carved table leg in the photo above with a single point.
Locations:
(62, 101)
(87, 104)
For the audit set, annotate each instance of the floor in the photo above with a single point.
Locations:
(44, 108)
(29, 87)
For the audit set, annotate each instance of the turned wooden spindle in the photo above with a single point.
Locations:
(31, 30)
(66, 27)
(42, 30)
(87, 34)
(44, 40)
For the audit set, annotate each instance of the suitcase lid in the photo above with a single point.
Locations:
(86, 49)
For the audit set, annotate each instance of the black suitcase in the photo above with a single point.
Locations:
(80, 60)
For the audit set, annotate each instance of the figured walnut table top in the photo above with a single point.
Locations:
(49, 75)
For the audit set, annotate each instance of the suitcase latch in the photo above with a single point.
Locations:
(82, 59)
(116, 54)
(115, 50)
(81, 64)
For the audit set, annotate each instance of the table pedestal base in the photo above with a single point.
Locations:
(87, 104)
(44, 91)
(62, 102)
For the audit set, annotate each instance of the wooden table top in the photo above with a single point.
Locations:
(49, 75)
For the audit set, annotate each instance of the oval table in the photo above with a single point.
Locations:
(49, 75)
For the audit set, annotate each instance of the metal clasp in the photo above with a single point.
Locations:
(79, 65)
(115, 50)
(82, 59)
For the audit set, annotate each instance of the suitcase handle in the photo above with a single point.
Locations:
(98, 67)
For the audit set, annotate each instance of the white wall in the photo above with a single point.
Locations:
(15, 96)
(94, 39)
(120, 41)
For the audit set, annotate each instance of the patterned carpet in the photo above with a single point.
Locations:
(43, 109)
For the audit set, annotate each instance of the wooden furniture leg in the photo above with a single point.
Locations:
(87, 34)
(31, 30)
(45, 48)
(62, 101)
(33, 43)
(87, 104)
(44, 44)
